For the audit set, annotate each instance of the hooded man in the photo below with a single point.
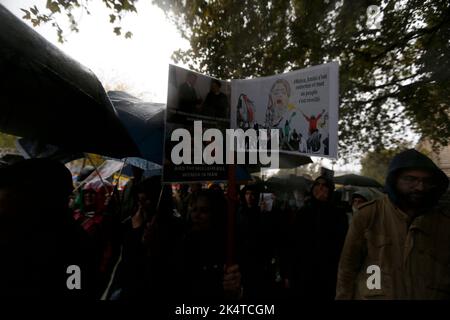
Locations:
(357, 200)
(398, 247)
(316, 241)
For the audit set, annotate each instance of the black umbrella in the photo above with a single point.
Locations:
(47, 96)
(144, 122)
(290, 161)
(288, 183)
(356, 180)
(35, 149)
(286, 161)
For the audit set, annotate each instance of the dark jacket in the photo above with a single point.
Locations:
(186, 268)
(186, 264)
(317, 237)
(41, 240)
(259, 241)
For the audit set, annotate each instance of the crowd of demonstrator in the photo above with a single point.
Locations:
(159, 243)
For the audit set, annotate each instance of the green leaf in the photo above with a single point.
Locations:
(34, 10)
(27, 15)
(53, 6)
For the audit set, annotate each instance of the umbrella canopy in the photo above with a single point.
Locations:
(35, 149)
(144, 122)
(155, 171)
(142, 164)
(286, 161)
(290, 161)
(289, 183)
(356, 180)
(47, 96)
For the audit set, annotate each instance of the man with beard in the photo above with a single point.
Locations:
(398, 247)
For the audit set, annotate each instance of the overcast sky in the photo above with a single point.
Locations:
(140, 63)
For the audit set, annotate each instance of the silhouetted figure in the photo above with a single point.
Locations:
(39, 239)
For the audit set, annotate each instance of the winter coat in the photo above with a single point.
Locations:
(412, 253)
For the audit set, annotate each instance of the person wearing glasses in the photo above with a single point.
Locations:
(398, 247)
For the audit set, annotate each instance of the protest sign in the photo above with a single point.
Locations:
(301, 107)
(302, 104)
(194, 97)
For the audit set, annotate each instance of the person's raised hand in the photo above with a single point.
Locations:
(232, 281)
(138, 218)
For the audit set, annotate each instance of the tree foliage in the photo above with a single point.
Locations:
(393, 74)
(65, 9)
(394, 64)
(375, 164)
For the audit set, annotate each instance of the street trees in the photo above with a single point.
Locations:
(394, 57)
